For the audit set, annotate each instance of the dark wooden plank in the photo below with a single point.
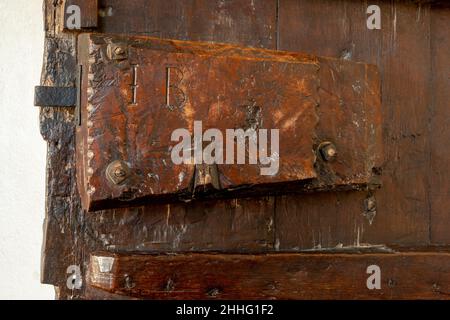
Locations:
(274, 276)
(56, 124)
(245, 22)
(241, 225)
(322, 221)
(440, 127)
(403, 204)
(401, 51)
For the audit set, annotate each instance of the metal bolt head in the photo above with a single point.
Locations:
(213, 292)
(327, 150)
(370, 203)
(117, 51)
(117, 172)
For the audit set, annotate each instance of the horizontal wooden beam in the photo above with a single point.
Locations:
(410, 275)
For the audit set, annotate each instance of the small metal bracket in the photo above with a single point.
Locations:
(47, 96)
(117, 51)
(55, 96)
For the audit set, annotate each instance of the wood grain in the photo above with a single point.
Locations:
(241, 225)
(244, 22)
(440, 129)
(273, 276)
(224, 87)
(411, 208)
(401, 52)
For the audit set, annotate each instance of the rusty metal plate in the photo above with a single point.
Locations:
(140, 94)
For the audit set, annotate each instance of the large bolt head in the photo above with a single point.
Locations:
(117, 51)
(117, 172)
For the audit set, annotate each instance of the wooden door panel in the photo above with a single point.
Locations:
(409, 209)
(401, 51)
(439, 183)
(243, 22)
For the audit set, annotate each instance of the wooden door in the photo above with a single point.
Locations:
(379, 210)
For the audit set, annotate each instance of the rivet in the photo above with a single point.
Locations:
(213, 292)
(91, 190)
(370, 203)
(391, 283)
(327, 151)
(105, 12)
(170, 285)
(117, 52)
(117, 172)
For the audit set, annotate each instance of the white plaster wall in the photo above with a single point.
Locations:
(22, 152)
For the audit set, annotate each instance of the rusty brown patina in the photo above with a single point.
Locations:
(130, 107)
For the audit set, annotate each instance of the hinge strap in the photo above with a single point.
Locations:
(55, 96)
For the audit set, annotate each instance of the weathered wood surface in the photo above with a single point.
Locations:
(273, 276)
(440, 129)
(70, 234)
(411, 207)
(218, 225)
(401, 49)
(249, 23)
(225, 88)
